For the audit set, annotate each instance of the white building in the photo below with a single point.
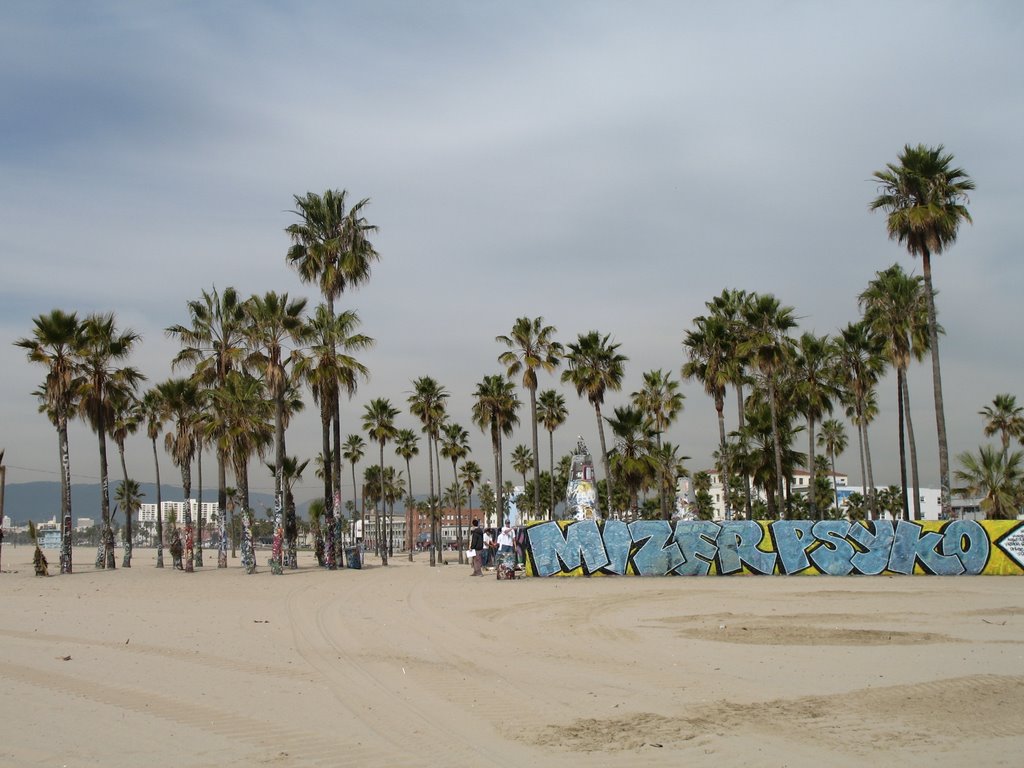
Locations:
(798, 484)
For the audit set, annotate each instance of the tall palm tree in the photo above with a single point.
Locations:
(129, 498)
(126, 416)
(494, 410)
(595, 367)
(455, 447)
(243, 429)
(331, 247)
(709, 349)
(102, 347)
(768, 347)
(181, 400)
(833, 439)
(859, 363)
(213, 344)
(925, 199)
(552, 413)
(427, 402)
(1005, 417)
(522, 461)
(55, 339)
(406, 447)
(816, 391)
(895, 310)
(331, 365)
(275, 331)
(353, 450)
(152, 411)
(661, 402)
(379, 423)
(998, 477)
(470, 475)
(635, 453)
(531, 347)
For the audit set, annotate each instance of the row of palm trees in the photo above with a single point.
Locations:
(249, 359)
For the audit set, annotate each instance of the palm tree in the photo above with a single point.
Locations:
(152, 412)
(427, 403)
(353, 450)
(213, 343)
(895, 311)
(102, 346)
(531, 347)
(243, 429)
(406, 447)
(552, 413)
(1005, 417)
(998, 477)
(292, 471)
(331, 247)
(455, 446)
(393, 490)
(833, 439)
(275, 321)
(814, 371)
(470, 476)
(768, 347)
(330, 365)
(661, 403)
(635, 453)
(126, 416)
(494, 410)
(55, 339)
(859, 363)
(129, 498)
(925, 198)
(181, 400)
(595, 367)
(522, 460)
(709, 349)
(379, 423)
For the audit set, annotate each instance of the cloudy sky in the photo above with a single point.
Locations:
(605, 165)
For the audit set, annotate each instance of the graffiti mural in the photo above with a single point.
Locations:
(779, 547)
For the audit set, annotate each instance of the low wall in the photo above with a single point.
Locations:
(828, 547)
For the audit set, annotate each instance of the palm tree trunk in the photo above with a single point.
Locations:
(872, 505)
(551, 471)
(723, 451)
(440, 528)
(746, 475)
(607, 465)
(65, 493)
(277, 553)
(916, 483)
(408, 511)
(835, 487)
(126, 562)
(222, 505)
(811, 500)
(106, 548)
(945, 504)
(328, 466)
(903, 447)
(199, 507)
(536, 452)
(339, 558)
(381, 544)
(186, 484)
(863, 466)
(159, 511)
(499, 504)
(248, 551)
(430, 473)
(773, 408)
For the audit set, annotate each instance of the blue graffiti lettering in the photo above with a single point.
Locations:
(967, 540)
(912, 546)
(696, 540)
(737, 546)
(792, 537)
(659, 554)
(876, 539)
(554, 551)
(835, 554)
(617, 543)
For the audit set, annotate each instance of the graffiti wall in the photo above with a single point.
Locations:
(782, 547)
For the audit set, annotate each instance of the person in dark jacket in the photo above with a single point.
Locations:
(476, 546)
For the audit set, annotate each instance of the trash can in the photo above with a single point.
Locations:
(354, 560)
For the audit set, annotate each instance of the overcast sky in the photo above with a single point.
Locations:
(605, 165)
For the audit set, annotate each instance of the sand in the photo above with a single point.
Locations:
(416, 666)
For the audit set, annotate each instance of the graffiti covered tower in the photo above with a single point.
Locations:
(581, 492)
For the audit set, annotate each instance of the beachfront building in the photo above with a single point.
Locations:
(147, 516)
(797, 485)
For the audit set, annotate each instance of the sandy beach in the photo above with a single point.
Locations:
(416, 666)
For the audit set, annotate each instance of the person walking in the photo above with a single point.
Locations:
(476, 546)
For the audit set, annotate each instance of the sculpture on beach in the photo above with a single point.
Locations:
(581, 492)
